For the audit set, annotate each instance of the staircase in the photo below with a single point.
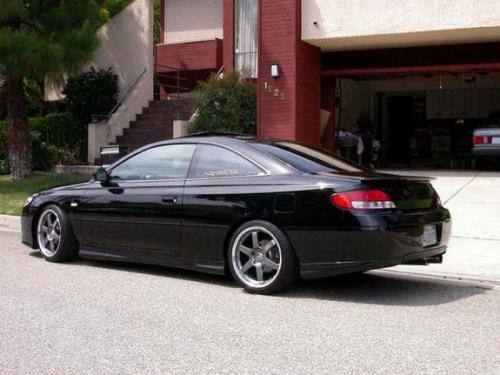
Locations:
(155, 123)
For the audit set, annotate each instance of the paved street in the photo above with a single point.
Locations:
(96, 317)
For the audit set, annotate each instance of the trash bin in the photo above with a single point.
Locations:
(110, 154)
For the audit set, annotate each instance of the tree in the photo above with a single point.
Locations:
(40, 39)
(226, 104)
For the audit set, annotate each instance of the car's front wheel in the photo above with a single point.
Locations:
(55, 236)
(261, 258)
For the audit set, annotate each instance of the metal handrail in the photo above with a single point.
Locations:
(219, 72)
(98, 118)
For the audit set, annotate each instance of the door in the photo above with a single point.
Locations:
(400, 119)
(220, 190)
(138, 213)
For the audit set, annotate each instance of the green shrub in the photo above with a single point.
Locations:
(111, 8)
(4, 166)
(91, 93)
(56, 139)
(227, 104)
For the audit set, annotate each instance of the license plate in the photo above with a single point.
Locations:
(495, 140)
(430, 236)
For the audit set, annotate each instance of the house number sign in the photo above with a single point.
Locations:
(274, 91)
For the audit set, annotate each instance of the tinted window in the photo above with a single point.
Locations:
(157, 163)
(307, 159)
(213, 161)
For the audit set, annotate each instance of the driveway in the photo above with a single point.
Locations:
(108, 318)
(473, 199)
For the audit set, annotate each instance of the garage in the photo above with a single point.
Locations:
(423, 116)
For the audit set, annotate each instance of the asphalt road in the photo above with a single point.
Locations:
(107, 318)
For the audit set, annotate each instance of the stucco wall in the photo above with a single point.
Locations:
(127, 44)
(127, 48)
(390, 23)
(193, 20)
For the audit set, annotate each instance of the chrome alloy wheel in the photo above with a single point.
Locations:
(256, 257)
(49, 233)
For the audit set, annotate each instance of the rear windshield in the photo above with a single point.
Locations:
(307, 159)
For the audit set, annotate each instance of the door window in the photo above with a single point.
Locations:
(213, 161)
(157, 163)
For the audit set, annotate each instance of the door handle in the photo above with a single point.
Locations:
(169, 199)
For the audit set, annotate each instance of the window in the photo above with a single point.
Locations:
(307, 159)
(213, 161)
(246, 39)
(157, 163)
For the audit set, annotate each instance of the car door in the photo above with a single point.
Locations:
(137, 214)
(222, 187)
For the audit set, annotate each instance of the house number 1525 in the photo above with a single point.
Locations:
(274, 91)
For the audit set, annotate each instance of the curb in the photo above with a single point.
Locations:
(445, 276)
(10, 223)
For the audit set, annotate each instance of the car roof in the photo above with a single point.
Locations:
(235, 142)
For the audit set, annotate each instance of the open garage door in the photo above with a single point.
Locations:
(423, 116)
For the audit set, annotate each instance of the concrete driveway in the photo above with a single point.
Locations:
(473, 199)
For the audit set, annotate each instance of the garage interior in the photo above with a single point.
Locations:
(421, 103)
(421, 121)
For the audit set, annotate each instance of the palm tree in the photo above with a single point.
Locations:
(40, 39)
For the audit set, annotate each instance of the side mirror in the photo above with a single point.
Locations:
(101, 175)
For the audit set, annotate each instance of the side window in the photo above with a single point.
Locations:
(214, 161)
(157, 163)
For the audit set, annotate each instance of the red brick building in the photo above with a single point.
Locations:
(419, 71)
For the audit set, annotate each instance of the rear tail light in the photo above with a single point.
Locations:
(437, 200)
(363, 200)
(482, 139)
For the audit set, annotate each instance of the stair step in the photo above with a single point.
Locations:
(155, 123)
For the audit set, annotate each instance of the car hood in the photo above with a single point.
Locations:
(55, 189)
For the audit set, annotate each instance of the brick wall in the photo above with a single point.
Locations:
(289, 107)
(190, 56)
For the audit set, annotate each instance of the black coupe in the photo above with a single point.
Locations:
(267, 211)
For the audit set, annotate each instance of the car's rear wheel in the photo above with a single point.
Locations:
(55, 237)
(261, 258)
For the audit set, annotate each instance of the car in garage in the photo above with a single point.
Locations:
(486, 141)
(265, 211)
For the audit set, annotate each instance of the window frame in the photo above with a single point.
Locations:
(264, 172)
(111, 168)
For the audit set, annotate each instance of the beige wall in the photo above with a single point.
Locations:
(193, 20)
(127, 48)
(358, 24)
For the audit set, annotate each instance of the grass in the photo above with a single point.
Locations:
(14, 193)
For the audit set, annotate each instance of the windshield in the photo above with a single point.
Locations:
(307, 159)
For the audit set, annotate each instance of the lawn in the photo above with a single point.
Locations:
(14, 193)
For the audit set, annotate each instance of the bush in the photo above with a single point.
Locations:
(91, 93)
(56, 139)
(227, 104)
(111, 8)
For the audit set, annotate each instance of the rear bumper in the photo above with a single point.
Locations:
(486, 151)
(381, 240)
(326, 269)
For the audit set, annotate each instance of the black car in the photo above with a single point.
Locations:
(266, 211)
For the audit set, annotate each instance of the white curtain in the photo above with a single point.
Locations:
(246, 40)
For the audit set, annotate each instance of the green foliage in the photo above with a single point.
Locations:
(91, 93)
(157, 20)
(110, 8)
(56, 139)
(227, 104)
(14, 193)
(46, 38)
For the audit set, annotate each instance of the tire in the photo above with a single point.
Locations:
(54, 235)
(261, 258)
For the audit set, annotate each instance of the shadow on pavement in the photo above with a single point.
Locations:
(375, 287)
(383, 288)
